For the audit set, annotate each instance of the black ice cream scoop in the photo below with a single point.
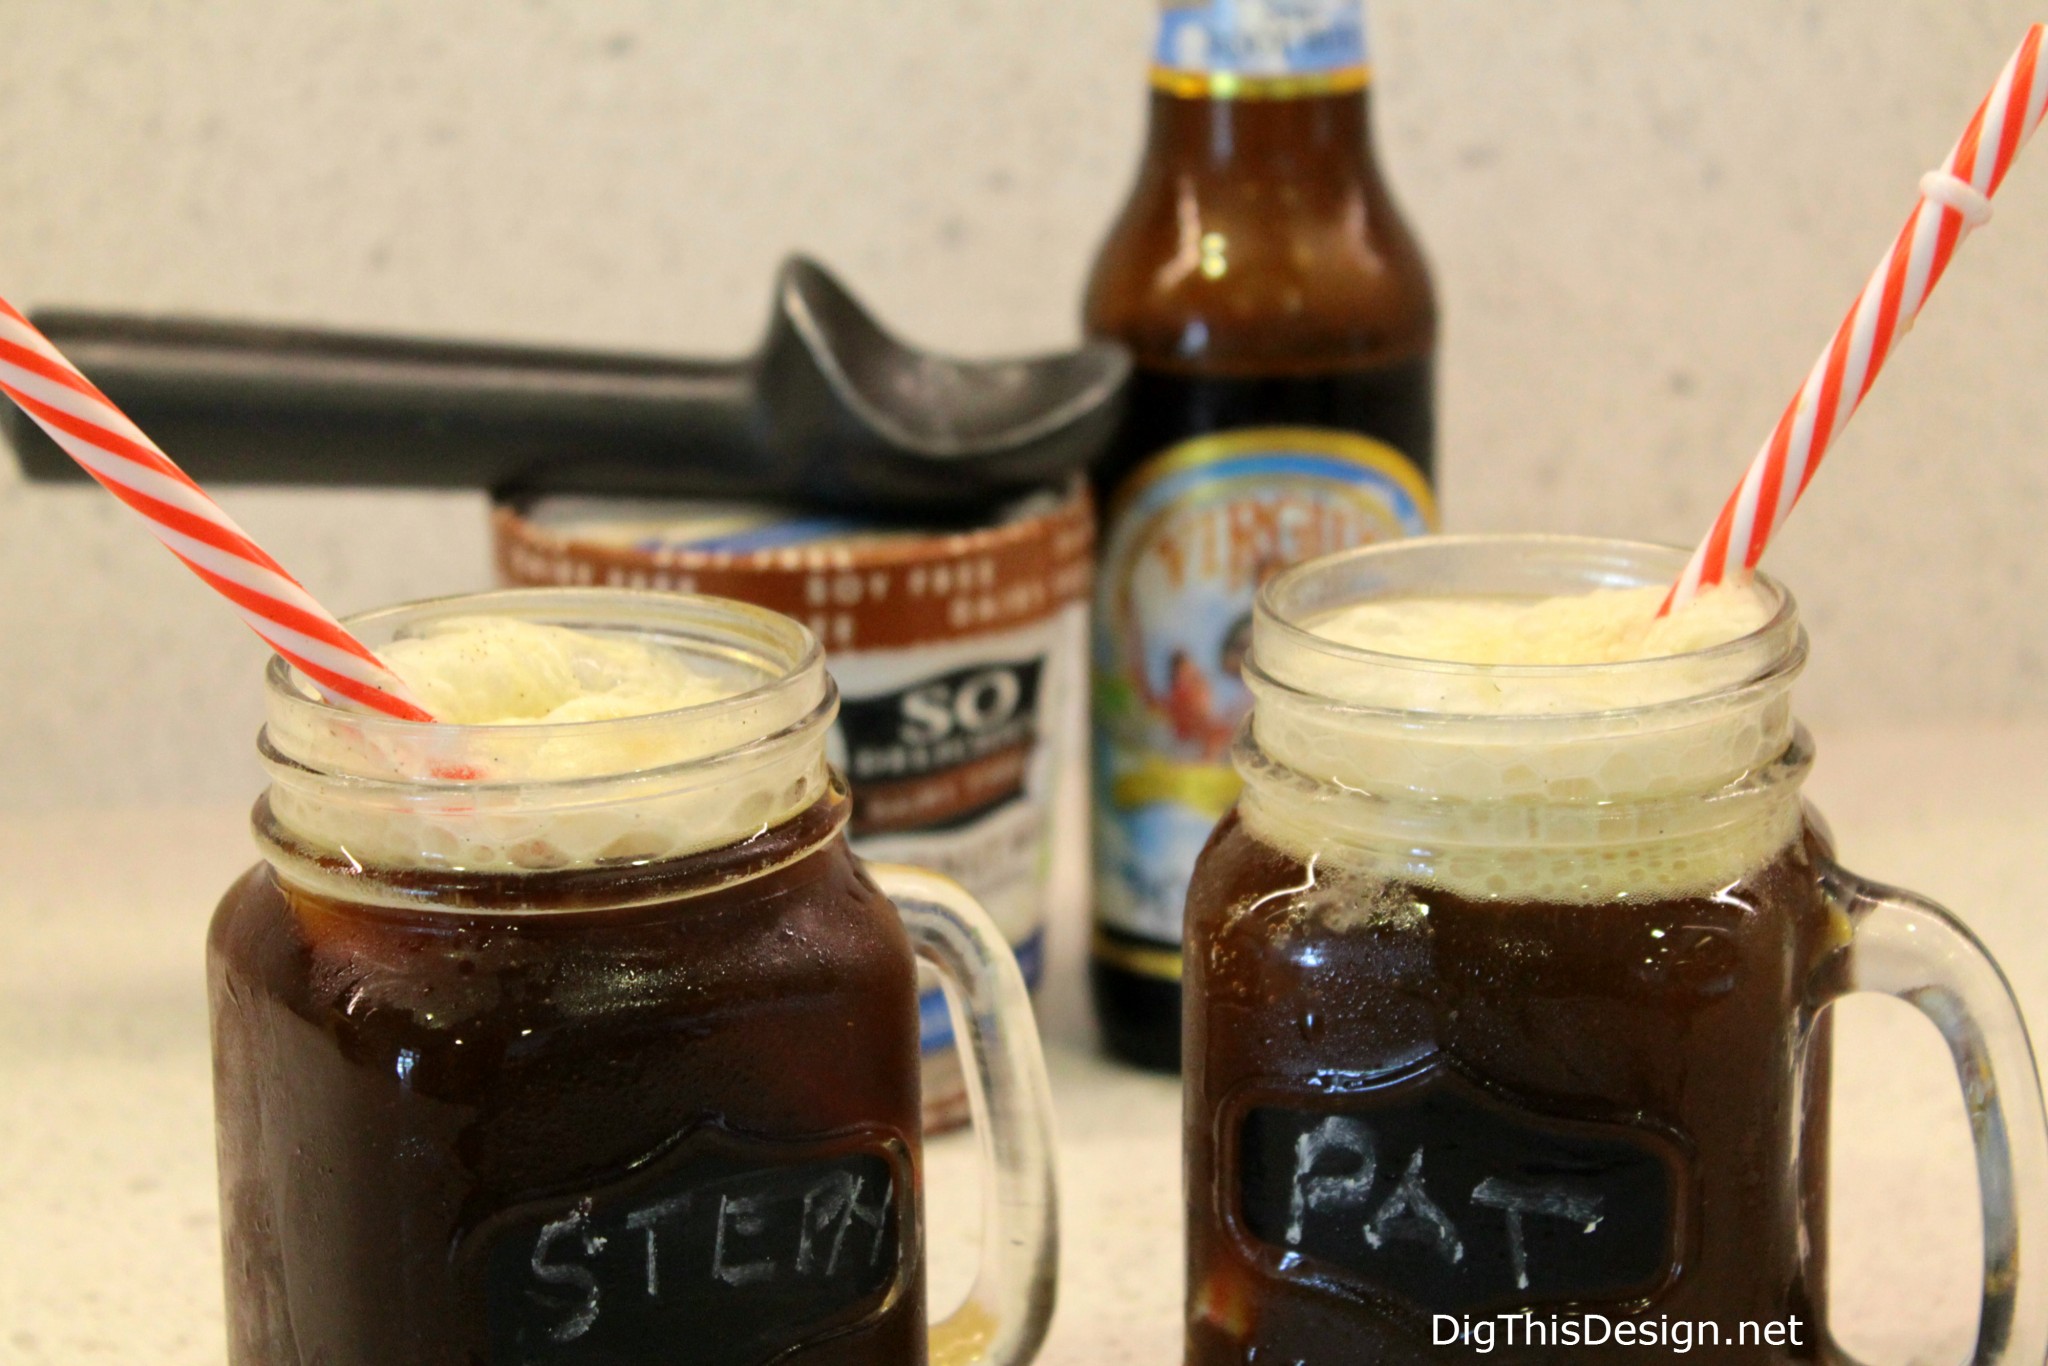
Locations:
(832, 411)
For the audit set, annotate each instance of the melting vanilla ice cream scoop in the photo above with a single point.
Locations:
(1559, 747)
(555, 747)
(1612, 626)
(498, 671)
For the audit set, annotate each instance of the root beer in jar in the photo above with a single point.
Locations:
(569, 1030)
(1283, 327)
(960, 659)
(1506, 977)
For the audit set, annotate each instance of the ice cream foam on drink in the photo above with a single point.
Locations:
(1552, 747)
(1611, 626)
(555, 748)
(501, 671)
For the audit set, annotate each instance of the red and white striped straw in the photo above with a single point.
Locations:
(1953, 201)
(191, 525)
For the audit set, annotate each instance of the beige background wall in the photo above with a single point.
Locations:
(1645, 219)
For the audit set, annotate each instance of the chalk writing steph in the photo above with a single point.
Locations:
(548, 1272)
(648, 1221)
(751, 1258)
(832, 1205)
(835, 1204)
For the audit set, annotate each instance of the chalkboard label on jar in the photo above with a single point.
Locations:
(1452, 1201)
(722, 1252)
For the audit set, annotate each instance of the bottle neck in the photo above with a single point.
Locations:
(1260, 238)
(1309, 138)
(1260, 49)
(1241, 86)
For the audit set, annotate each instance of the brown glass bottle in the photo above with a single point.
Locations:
(1284, 329)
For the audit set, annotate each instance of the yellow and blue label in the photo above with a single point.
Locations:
(1192, 535)
(1260, 49)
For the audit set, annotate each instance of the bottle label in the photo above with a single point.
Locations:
(1193, 534)
(1260, 49)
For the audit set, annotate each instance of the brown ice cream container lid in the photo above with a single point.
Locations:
(857, 586)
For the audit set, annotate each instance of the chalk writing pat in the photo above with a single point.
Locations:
(1410, 1213)
(1315, 1190)
(1516, 1200)
(738, 1255)
(1441, 1196)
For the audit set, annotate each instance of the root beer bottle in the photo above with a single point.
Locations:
(1284, 328)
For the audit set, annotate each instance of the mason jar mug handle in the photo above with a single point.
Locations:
(1004, 1319)
(1906, 946)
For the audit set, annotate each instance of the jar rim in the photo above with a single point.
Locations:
(1771, 653)
(380, 792)
(1577, 779)
(786, 653)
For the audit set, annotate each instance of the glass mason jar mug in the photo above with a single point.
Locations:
(593, 1042)
(1508, 987)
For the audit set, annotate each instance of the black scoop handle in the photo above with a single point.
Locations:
(832, 410)
(236, 403)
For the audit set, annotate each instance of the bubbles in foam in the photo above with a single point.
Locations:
(1490, 771)
(1612, 626)
(498, 671)
(557, 748)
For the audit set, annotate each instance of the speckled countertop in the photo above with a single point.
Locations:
(107, 1225)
